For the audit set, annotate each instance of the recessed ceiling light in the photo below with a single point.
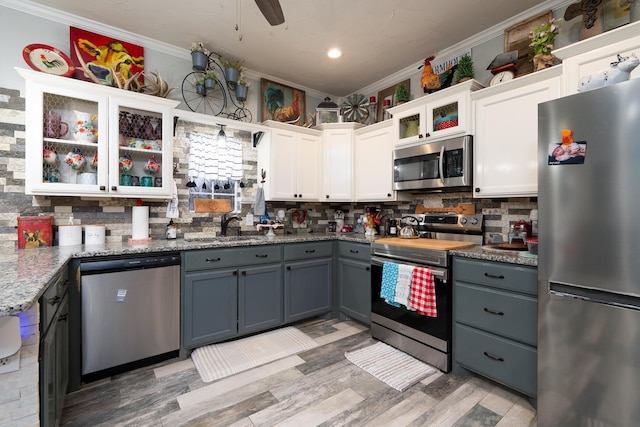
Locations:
(334, 53)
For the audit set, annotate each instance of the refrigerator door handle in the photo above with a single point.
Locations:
(594, 295)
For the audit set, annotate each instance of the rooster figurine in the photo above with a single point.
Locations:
(432, 82)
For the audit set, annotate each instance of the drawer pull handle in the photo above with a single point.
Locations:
(494, 276)
(212, 259)
(309, 251)
(490, 311)
(354, 251)
(54, 300)
(367, 268)
(261, 256)
(494, 357)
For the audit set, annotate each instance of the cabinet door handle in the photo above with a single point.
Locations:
(493, 356)
(388, 194)
(327, 196)
(102, 188)
(353, 251)
(235, 273)
(493, 276)
(261, 256)
(310, 251)
(295, 195)
(114, 188)
(54, 300)
(490, 311)
(63, 317)
(212, 259)
(244, 273)
(367, 268)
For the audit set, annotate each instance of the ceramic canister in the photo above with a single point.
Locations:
(94, 234)
(69, 235)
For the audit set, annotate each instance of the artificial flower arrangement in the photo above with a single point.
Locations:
(543, 39)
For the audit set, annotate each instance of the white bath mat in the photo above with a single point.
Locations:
(391, 366)
(220, 360)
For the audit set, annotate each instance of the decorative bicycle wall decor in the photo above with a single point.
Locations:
(206, 90)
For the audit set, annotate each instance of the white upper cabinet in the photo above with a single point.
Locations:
(290, 157)
(84, 139)
(596, 54)
(338, 169)
(506, 134)
(435, 116)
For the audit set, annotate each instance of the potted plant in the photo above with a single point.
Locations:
(199, 56)
(465, 69)
(201, 89)
(402, 94)
(542, 41)
(210, 80)
(241, 89)
(232, 69)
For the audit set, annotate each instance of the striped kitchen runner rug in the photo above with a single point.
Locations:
(220, 360)
(391, 366)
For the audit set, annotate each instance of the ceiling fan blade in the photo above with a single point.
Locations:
(271, 10)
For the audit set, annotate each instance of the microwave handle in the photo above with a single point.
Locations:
(441, 165)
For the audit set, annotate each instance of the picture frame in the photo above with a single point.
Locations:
(130, 57)
(517, 38)
(282, 103)
(389, 93)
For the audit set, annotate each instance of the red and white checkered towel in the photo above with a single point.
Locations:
(423, 292)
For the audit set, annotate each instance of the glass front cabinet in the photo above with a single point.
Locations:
(431, 117)
(85, 139)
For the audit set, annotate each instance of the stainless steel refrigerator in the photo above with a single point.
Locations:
(589, 258)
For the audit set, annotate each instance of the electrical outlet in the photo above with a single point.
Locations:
(249, 220)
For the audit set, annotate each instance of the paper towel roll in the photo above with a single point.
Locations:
(140, 222)
(94, 234)
(69, 235)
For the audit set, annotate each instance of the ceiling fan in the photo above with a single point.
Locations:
(271, 10)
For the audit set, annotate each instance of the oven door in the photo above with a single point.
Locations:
(438, 327)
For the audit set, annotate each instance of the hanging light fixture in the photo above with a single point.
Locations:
(221, 133)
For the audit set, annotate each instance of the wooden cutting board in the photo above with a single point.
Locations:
(212, 205)
(461, 209)
(441, 245)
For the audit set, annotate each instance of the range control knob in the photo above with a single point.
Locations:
(474, 221)
(463, 221)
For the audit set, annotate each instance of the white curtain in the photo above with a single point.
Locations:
(214, 158)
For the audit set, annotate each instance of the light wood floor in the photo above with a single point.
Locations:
(315, 388)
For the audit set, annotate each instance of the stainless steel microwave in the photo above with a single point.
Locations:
(434, 166)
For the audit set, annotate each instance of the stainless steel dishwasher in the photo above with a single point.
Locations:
(130, 309)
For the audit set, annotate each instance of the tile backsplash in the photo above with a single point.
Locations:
(115, 214)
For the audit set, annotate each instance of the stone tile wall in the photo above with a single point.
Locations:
(116, 213)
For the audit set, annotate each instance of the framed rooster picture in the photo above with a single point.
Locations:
(105, 57)
(282, 103)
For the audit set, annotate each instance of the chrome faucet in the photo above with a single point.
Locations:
(225, 223)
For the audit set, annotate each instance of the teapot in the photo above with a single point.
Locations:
(408, 232)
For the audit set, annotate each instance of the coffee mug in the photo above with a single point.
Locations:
(146, 181)
(54, 127)
(49, 155)
(157, 182)
(136, 180)
(126, 180)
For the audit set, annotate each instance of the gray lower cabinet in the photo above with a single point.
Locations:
(230, 292)
(495, 321)
(354, 281)
(54, 351)
(307, 280)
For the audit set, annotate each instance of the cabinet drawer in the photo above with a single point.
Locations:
(231, 257)
(359, 251)
(52, 297)
(505, 361)
(504, 313)
(307, 250)
(499, 275)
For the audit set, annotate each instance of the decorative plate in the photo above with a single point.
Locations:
(48, 59)
(355, 108)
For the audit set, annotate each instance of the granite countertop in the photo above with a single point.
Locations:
(27, 273)
(488, 253)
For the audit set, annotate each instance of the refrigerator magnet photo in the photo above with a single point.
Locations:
(567, 154)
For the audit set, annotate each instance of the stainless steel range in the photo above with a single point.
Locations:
(426, 338)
